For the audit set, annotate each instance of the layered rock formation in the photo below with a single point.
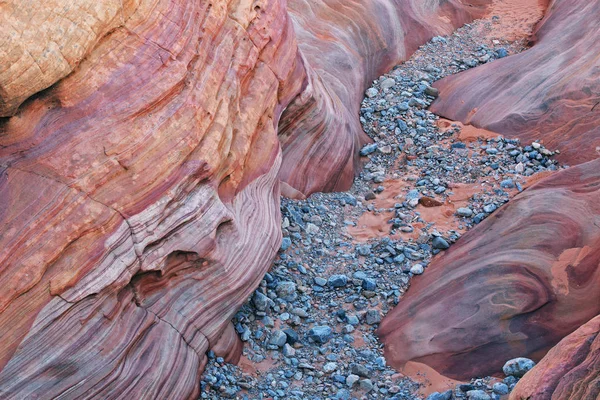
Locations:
(514, 286)
(344, 46)
(527, 276)
(550, 92)
(139, 192)
(571, 370)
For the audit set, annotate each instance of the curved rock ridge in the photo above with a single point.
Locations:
(139, 193)
(570, 371)
(550, 92)
(344, 45)
(513, 286)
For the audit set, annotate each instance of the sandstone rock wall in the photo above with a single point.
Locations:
(139, 192)
(528, 275)
(571, 370)
(550, 92)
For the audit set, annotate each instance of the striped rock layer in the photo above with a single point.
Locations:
(141, 149)
(529, 275)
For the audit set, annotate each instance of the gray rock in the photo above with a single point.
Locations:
(388, 83)
(366, 385)
(464, 212)
(447, 395)
(417, 269)
(518, 366)
(431, 91)
(369, 284)
(337, 281)
(439, 243)
(288, 350)
(286, 243)
(500, 388)
(278, 338)
(373, 317)
(507, 184)
(352, 379)
(329, 367)
(360, 370)
(286, 290)
(371, 92)
(320, 334)
(320, 281)
(368, 149)
(260, 301)
(478, 395)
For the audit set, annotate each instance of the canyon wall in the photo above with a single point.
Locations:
(528, 275)
(550, 92)
(140, 167)
(514, 286)
(571, 370)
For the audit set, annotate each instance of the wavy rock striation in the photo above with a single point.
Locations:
(570, 371)
(139, 193)
(344, 45)
(514, 286)
(550, 92)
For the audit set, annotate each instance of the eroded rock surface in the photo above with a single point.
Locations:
(571, 370)
(549, 92)
(514, 286)
(139, 193)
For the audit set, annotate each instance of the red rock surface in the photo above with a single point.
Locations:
(354, 42)
(139, 192)
(550, 92)
(570, 371)
(514, 286)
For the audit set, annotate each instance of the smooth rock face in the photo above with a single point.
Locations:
(514, 286)
(571, 370)
(549, 92)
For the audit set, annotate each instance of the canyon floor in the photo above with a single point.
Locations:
(309, 330)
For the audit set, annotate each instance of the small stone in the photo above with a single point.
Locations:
(360, 370)
(286, 243)
(478, 395)
(260, 301)
(373, 317)
(501, 53)
(371, 92)
(500, 388)
(292, 336)
(320, 281)
(369, 284)
(464, 212)
(366, 385)
(337, 281)
(288, 350)
(388, 83)
(278, 338)
(352, 379)
(439, 243)
(489, 208)
(320, 334)
(417, 269)
(286, 290)
(507, 184)
(370, 196)
(329, 367)
(431, 91)
(518, 367)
